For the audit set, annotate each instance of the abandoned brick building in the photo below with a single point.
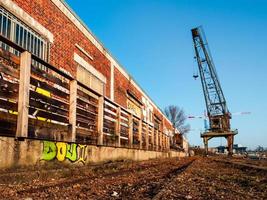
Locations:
(59, 83)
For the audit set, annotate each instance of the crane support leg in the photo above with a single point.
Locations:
(205, 140)
(230, 142)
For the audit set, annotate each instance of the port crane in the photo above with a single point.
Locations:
(217, 111)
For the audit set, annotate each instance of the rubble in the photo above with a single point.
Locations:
(187, 178)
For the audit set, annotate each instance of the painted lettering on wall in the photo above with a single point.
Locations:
(62, 151)
(132, 107)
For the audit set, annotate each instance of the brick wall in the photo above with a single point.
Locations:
(66, 35)
(121, 85)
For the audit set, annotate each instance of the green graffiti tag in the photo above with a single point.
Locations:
(62, 151)
(49, 151)
(82, 153)
(72, 152)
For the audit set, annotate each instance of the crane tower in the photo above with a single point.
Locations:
(217, 111)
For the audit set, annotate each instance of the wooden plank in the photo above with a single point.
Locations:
(47, 115)
(49, 88)
(86, 105)
(8, 105)
(86, 117)
(41, 73)
(24, 94)
(48, 107)
(9, 86)
(91, 98)
(110, 112)
(109, 103)
(90, 126)
(39, 97)
(8, 70)
(109, 118)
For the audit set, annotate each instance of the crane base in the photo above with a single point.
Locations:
(229, 135)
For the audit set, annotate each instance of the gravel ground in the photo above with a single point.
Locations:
(187, 178)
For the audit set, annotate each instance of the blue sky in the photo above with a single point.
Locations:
(152, 40)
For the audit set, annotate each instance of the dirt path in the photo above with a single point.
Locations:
(188, 178)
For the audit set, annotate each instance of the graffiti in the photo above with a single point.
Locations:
(62, 151)
(131, 106)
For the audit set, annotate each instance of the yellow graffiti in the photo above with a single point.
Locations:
(134, 108)
(43, 92)
(12, 111)
(62, 151)
(82, 153)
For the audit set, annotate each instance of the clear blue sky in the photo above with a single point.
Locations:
(152, 40)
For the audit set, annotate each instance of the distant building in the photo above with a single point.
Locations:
(237, 149)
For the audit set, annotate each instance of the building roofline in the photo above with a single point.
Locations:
(112, 59)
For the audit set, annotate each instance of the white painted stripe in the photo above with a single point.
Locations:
(111, 105)
(124, 112)
(109, 118)
(124, 118)
(125, 138)
(123, 124)
(107, 134)
(110, 112)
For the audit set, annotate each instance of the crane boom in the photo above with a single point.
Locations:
(215, 100)
(218, 114)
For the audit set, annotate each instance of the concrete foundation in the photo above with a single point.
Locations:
(15, 153)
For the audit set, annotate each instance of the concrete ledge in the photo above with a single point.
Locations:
(39, 152)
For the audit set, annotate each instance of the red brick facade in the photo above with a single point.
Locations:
(66, 36)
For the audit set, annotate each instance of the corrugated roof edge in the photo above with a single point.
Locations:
(86, 27)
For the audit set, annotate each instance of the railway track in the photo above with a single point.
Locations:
(187, 178)
(143, 179)
(241, 164)
(171, 176)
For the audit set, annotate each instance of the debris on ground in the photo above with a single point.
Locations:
(186, 178)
